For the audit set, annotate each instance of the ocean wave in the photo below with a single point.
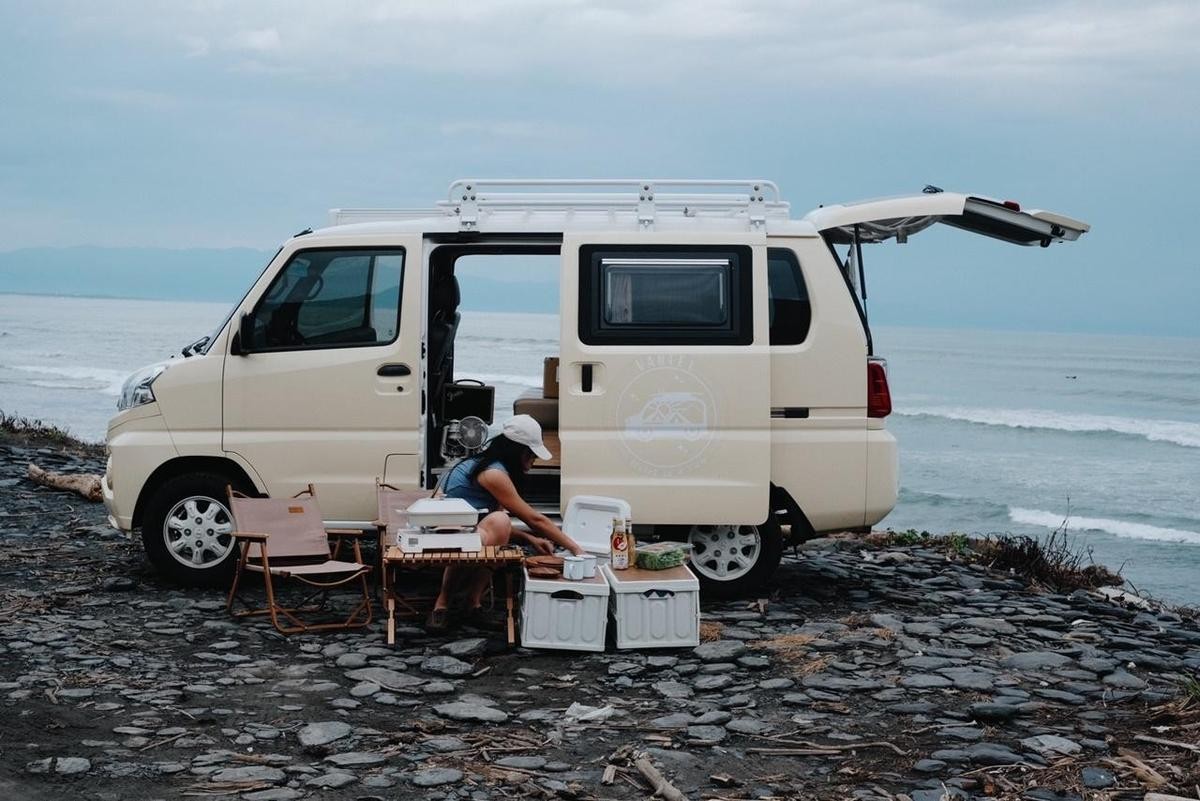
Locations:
(1120, 528)
(1174, 431)
(506, 378)
(96, 378)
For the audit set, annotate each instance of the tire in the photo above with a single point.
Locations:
(735, 561)
(187, 530)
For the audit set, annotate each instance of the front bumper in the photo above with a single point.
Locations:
(138, 444)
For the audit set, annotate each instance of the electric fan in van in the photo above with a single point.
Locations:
(464, 437)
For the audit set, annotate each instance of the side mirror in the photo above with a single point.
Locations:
(243, 336)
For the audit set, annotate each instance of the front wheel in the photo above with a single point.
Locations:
(735, 560)
(187, 530)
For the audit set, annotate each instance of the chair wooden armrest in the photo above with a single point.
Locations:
(250, 535)
(350, 532)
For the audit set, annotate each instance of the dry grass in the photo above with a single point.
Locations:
(710, 631)
(792, 651)
(1054, 561)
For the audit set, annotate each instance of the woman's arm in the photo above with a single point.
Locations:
(505, 492)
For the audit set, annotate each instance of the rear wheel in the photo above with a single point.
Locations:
(735, 560)
(187, 530)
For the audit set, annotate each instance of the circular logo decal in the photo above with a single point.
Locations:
(666, 414)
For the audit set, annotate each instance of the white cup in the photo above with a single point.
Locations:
(573, 568)
(589, 565)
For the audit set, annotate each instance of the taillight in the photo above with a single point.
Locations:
(879, 397)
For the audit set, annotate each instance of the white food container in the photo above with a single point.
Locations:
(566, 615)
(654, 608)
(431, 512)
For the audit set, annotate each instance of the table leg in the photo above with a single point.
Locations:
(508, 592)
(391, 620)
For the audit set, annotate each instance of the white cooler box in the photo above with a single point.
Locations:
(568, 615)
(655, 608)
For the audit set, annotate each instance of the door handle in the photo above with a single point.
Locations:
(393, 370)
(585, 377)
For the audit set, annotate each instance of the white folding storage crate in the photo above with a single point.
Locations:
(569, 615)
(654, 608)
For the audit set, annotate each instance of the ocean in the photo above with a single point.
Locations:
(999, 431)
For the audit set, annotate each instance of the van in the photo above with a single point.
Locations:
(714, 368)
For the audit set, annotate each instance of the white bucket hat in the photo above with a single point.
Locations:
(524, 430)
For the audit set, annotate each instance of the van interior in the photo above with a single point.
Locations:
(456, 394)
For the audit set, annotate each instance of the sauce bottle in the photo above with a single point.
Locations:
(619, 556)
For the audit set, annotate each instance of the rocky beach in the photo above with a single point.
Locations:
(867, 670)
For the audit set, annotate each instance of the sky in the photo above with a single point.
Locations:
(205, 123)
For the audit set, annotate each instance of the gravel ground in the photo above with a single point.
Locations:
(864, 672)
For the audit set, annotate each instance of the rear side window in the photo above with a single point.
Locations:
(640, 295)
(791, 312)
(331, 298)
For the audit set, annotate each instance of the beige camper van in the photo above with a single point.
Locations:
(715, 367)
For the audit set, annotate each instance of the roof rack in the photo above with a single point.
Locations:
(471, 200)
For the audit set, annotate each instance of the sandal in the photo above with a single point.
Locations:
(480, 618)
(438, 621)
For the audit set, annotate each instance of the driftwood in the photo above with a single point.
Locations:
(657, 781)
(85, 484)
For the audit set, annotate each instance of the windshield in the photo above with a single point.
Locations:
(203, 344)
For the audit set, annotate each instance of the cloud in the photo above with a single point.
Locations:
(265, 40)
(194, 46)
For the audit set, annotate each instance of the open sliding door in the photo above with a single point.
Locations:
(664, 383)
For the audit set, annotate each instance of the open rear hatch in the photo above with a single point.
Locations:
(900, 217)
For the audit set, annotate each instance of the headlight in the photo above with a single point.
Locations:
(136, 390)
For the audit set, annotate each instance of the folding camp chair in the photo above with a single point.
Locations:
(285, 538)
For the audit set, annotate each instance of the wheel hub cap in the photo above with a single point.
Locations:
(198, 532)
(724, 553)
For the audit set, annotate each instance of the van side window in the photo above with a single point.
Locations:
(791, 312)
(331, 298)
(639, 295)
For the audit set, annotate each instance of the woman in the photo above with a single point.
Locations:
(491, 480)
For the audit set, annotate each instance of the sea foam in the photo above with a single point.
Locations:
(1120, 528)
(107, 381)
(1174, 431)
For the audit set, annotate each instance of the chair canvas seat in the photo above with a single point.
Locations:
(331, 566)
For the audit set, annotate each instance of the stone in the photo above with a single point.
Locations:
(523, 762)
(992, 754)
(749, 726)
(708, 683)
(992, 624)
(719, 650)
(459, 710)
(676, 720)
(471, 646)
(332, 780)
(1124, 679)
(351, 661)
(435, 777)
(1049, 745)
(925, 681)
(444, 744)
(444, 665)
(323, 733)
(969, 678)
(928, 765)
(1036, 660)
(708, 734)
(249, 773)
(386, 678)
(673, 689)
(69, 766)
(273, 794)
(986, 712)
(352, 758)
(1097, 778)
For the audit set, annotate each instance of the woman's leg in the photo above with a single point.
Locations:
(495, 529)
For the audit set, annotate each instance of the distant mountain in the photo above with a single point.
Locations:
(210, 274)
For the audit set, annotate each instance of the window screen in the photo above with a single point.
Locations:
(665, 295)
(791, 313)
(331, 298)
